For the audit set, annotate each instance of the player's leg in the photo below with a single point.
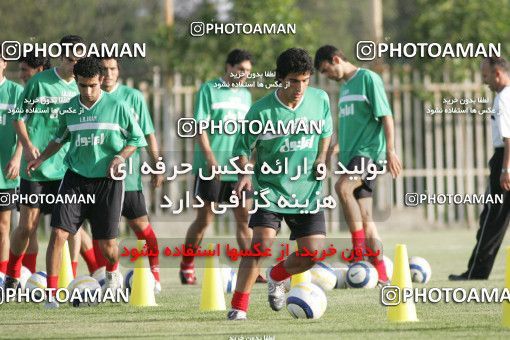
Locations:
(249, 269)
(104, 217)
(87, 251)
(373, 241)
(209, 192)
(5, 224)
(493, 224)
(110, 250)
(135, 211)
(143, 231)
(58, 238)
(194, 237)
(74, 250)
(29, 219)
(345, 189)
(66, 220)
(309, 230)
(30, 257)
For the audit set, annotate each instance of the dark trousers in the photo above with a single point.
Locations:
(493, 224)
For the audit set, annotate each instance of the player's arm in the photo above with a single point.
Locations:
(12, 169)
(504, 180)
(134, 139)
(157, 179)
(322, 153)
(244, 147)
(31, 152)
(202, 112)
(52, 148)
(325, 149)
(391, 156)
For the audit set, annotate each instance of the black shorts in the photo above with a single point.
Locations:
(368, 186)
(134, 205)
(214, 190)
(300, 225)
(103, 214)
(7, 201)
(28, 188)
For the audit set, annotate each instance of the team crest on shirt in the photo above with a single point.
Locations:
(346, 110)
(301, 144)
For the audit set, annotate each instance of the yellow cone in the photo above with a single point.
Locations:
(142, 290)
(212, 297)
(506, 304)
(65, 276)
(402, 312)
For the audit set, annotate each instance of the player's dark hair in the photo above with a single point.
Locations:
(110, 58)
(498, 62)
(293, 60)
(88, 68)
(34, 62)
(72, 39)
(238, 56)
(326, 53)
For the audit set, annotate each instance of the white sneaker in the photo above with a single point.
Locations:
(236, 315)
(113, 281)
(51, 303)
(157, 288)
(276, 292)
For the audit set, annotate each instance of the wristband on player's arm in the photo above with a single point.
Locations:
(120, 157)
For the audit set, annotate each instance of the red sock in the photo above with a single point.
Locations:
(101, 261)
(187, 266)
(3, 266)
(358, 243)
(380, 266)
(90, 259)
(152, 245)
(240, 301)
(278, 273)
(52, 282)
(112, 267)
(74, 265)
(14, 265)
(29, 261)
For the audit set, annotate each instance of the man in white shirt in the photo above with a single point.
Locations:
(495, 216)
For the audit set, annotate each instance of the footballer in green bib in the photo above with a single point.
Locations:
(41, 101)
(296, 149)
(10, 93)
(95, 133)
(218, 103)
(138, 108)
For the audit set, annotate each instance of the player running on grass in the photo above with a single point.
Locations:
(365, 134)
(10, 156)
(36, 125)
(296, 102)
(134, 201)
(217, 101)
(101, 133)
